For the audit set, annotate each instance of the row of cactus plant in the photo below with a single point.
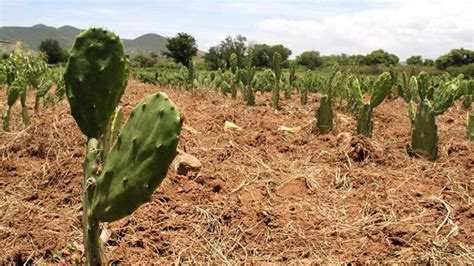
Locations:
(136, 158)
(24, 72)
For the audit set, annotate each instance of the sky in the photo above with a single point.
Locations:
(405, 27)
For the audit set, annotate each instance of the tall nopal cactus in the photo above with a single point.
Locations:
(432, 101)
(95, 78)
(277, 73)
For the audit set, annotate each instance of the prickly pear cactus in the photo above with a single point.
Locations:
(324, 115)
(12, 97)
(249, 96)
(364, 121)
(424, 140)
(95, 79)
(277, 72)
(139, 160)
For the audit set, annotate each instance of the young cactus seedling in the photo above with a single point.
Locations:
(95, 79)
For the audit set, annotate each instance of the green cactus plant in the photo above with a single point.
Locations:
(364, 110)
(470, 125)
(248, 78)
(329, 88)
(14, 92)
(141, 153)
(431, 101)
(277, 73)
(291, 80)
(234, 69)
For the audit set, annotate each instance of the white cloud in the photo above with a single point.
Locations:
(428, 28)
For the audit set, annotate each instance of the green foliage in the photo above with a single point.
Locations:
(54, 53)
(415, 60)
(263, 54)
(380, 57)
(456, 57)
(219, 56)
(309, 59)
(181, 48)
(143, 60)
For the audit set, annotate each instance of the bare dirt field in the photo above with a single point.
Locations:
(263, 194)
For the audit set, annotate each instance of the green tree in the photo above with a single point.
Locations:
(54, 53)
(415, 60)
(213, 58)
(310, 59)
(428, 62)
(143, 60)
(219, 56)
(181, 48)
(456, 57)
(380, 57)
(263, 53)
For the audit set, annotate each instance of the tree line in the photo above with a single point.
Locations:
(183, 47)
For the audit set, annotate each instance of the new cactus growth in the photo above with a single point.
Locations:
(13, 94)
(97, 70)
(277, 73)
(363, 110)
(431, 102)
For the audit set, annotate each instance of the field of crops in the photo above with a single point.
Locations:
(278, 166)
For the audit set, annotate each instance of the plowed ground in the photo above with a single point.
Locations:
(263, 194)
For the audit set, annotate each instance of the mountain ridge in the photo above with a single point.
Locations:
(65, 35)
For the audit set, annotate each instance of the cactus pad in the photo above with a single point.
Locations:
(139, 159)
(95, 79)
(424, 140)
(324, 115)
(364, 121)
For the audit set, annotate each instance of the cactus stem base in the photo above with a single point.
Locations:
(90, 225)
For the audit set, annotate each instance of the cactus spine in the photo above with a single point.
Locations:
(97, 70)
(277, 73)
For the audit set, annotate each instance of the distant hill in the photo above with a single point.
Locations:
(33, 36)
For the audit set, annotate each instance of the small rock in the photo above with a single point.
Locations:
(186, 163)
